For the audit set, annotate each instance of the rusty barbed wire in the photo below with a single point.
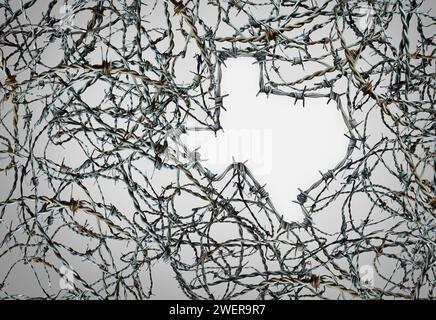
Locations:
(95, 97)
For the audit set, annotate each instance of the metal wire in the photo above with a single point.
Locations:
(115, 96)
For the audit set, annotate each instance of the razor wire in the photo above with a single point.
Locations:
(115, 95)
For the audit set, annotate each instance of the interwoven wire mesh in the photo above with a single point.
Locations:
(95, 96)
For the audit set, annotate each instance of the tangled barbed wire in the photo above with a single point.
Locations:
(95, 97)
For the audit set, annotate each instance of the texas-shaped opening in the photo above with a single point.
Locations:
(284, 144)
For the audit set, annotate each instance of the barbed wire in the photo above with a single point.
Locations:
(99, 84)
